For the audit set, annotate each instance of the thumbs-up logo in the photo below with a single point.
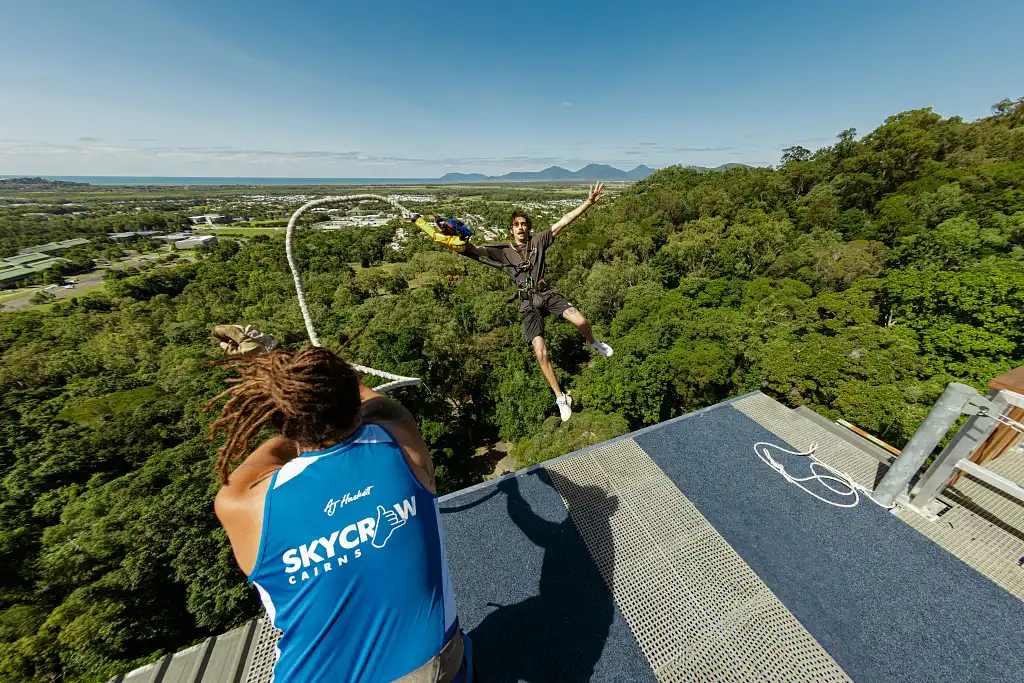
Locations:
(387, 522)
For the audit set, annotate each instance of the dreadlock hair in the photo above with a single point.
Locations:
(520, 214)
(311, 397)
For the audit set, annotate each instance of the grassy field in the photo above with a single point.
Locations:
(91, 289)
(268, 223)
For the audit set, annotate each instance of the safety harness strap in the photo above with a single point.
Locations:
(442, 667)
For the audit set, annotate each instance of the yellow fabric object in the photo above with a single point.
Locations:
(453, 242)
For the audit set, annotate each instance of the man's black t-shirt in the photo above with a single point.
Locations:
(515, 259)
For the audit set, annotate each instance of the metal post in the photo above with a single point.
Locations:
(974, 433)
(943, 414)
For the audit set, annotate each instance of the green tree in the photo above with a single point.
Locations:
(42, 297)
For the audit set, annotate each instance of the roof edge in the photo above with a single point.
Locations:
(630, 435)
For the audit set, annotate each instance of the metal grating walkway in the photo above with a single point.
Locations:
(697, 610)
(983, 526)
(261, 664)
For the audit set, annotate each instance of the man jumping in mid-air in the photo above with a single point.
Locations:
(523, 260)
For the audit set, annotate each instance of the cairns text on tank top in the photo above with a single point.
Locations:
(351, 565)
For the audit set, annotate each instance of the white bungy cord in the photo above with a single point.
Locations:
(307, 318)
(854, 489)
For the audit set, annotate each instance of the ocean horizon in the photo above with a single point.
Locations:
(236, 180)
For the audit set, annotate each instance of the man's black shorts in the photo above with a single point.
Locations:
(540, 305)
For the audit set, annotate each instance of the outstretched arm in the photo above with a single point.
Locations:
(595, 194)
(481, 255)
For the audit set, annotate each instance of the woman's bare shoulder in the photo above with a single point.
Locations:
(270, 456)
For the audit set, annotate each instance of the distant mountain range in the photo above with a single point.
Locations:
(589, 172)
(37, 184)
(723, 167)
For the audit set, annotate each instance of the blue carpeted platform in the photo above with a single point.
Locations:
(529, 593)
(887, 603)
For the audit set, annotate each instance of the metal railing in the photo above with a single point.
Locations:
(986, 413)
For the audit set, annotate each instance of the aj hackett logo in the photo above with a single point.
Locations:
(332, 504)
(324, 554)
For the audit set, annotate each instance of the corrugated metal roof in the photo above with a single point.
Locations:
(24, 259)
(226, 658)
(195, 241)
(138, 233)
(55, 246)
(24, 270)
(14, 273)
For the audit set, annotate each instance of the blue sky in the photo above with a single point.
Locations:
(417, 89)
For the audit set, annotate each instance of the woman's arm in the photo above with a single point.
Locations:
(381, 410)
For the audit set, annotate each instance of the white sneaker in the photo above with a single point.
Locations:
(603, 348)
(564, 406)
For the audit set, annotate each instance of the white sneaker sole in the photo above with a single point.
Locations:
(565, 410)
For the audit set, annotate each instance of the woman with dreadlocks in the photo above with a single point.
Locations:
(335, 522)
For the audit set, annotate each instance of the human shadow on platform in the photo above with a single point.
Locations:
(558, 635)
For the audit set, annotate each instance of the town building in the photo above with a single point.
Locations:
(173, 237)
(122, 236)
(16, 269)
(209, 219)
(194, 241)
(55, 248)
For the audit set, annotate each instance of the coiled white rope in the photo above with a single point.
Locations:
(852, 489)
(289, 247)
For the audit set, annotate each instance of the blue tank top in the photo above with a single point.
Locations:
(351, 565)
